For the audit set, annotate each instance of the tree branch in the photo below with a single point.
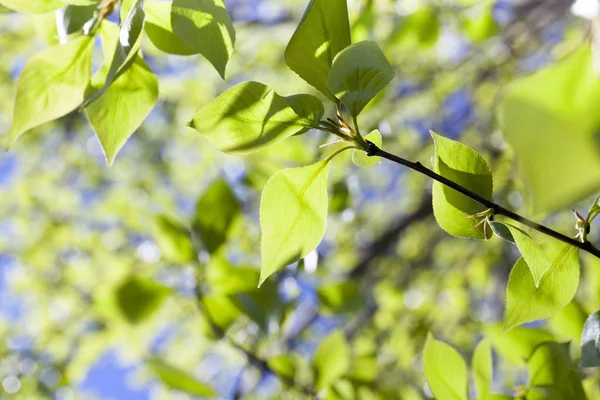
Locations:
(497, 209)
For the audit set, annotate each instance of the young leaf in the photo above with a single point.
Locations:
(52, 84)
(173, 240)
(33, 6)
(482, 369)
(590, 342)
(138, 299)
(445, 370)
(360, 158)
(537, 261)
(358, 73)
(177, 379)
(124, 105)
(247, 118)
(215, 212)
(332, 359)
(207, 28)
(323, 32)
(293, 215)
(552, 374)
(128, 46)
(525, 302)
(461, 164)
(549, 119)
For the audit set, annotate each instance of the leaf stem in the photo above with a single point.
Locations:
(373, 150)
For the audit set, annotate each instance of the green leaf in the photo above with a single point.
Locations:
(260, 305)
(138, 298)
(52, 85)
(206, 27)
(551, 122)
(124, 105)
(177, 379)
(159, 29)
(323, 32)
(358, 74)
(81, 2)
(525, 302)
(535, 258)
(360, 158)
(482, 368)
(464, 166)
(247, 118)
(569, 322)
(283, 365)
(445, 370)
(332, 359)
(590, 342)
(307, 107)
(552, 375)
(421, 28)
(127, 48)
(216, 211)
(33, 6)
(518, 344)
(173, 240)
(293, 215)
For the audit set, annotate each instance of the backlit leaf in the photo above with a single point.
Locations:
(464, 166)
(124, 105)
(525, 302)
(358, 74)
(177, 379)
(52, 84)
(445, 370)
(247, 118)
(293, 215)
(482, 368)
(323, 32)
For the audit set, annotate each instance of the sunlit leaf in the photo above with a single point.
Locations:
(323, 32)
(124, 105)
(206, 27)
(332, 359)
(445, 370)
(360, 158)
(126, 50)
(464, 166)
(482, 369)
(525, 302)
(52, 84)
(307, 107)
(358, 74)
(215, 212)
(550, 120)
(33, 6)
(177, 379)
(247, 118)
(535, 257)
(159, 28)
(293, 215)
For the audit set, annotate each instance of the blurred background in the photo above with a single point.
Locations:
(105, 291)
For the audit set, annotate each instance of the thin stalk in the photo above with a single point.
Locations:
(373, 150)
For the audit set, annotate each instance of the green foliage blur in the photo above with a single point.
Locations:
(124, 230)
